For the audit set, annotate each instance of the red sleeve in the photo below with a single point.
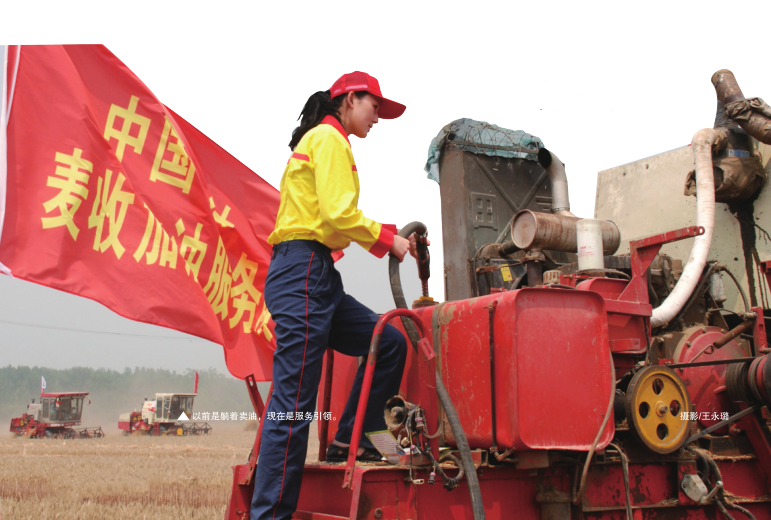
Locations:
(384, 241)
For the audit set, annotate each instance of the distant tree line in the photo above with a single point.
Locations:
(112, 392)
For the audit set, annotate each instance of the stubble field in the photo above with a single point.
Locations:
(119, 477)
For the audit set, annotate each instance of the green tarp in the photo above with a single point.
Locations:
(481, 138)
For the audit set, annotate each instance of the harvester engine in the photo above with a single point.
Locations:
(559, 379)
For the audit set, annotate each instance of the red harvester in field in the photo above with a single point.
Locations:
(54, 417)
(168, 414)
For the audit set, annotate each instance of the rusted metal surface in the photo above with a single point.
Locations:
(752, 115)
(475, 210)
(707, 384)
(383, 492)
(531, 230)
(643, 252)
(759, 332)
(534, 262)
(751, 426)
(733, 333)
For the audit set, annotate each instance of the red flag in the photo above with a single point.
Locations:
(114, 197)
(195, 390)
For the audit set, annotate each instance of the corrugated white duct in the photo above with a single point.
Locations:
(702, 144)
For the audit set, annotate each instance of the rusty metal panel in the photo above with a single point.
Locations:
(648, 484)
(322, 490)
(480, 194)
(465, 364)
(552, 369)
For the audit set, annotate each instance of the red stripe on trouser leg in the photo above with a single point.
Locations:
(299, 388)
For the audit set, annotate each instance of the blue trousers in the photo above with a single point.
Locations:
(304, 294)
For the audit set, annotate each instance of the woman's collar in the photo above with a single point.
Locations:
(332, 121)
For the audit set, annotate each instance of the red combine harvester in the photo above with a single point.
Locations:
(168, 414)
(54, 417)
(560, 381)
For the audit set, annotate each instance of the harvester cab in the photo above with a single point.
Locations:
(62, 408)
(54, 417)
(171, 407)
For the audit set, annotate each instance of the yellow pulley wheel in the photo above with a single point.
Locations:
(658, 408)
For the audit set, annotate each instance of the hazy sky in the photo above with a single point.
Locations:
(602, 84)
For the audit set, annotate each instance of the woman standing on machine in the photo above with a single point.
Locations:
(318, 215)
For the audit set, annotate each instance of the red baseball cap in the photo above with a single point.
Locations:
(358, 81)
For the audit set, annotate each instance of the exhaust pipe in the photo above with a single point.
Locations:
(560, 202)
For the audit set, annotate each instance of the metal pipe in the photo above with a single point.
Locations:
(508, 248)
(560, 201)
(753, 115)
(555, 232)
(702, 144)
(534, 273)
(733, 333)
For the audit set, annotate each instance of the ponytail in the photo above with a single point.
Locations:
(318, 106)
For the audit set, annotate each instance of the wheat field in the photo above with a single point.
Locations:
(117, 477)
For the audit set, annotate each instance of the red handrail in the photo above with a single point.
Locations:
(366, 385)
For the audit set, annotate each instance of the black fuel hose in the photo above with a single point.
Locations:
(444, 397)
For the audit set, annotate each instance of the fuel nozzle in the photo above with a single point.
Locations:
(424, 271)
(424, 262)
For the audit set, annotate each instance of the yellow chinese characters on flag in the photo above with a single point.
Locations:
(120, 200)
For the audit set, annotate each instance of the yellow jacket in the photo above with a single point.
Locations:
(320, 193)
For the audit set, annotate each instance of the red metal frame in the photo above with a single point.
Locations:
(367, 382)
(643, 253)
(533, 487)
(243, 474)
(327, 398)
